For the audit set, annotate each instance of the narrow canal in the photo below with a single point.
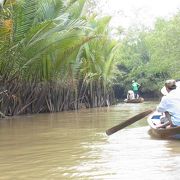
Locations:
(73, 145)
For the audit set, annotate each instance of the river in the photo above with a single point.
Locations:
(73, 145)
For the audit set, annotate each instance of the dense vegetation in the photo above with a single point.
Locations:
(58, 55)
(53, 57)
(151, 55)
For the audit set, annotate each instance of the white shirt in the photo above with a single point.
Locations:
(171, 103)
(130, 95)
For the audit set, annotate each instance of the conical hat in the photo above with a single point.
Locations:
(170, 83)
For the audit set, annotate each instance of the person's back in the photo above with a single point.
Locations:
(130, 95)
(135, 86)
(171, 104)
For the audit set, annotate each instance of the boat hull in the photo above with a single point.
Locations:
(139, 100)
(154, 121)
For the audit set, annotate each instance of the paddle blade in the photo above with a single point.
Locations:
(128, 122)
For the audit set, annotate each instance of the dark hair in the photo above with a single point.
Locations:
(170, 84)
(172, 87)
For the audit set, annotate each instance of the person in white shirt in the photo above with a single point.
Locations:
(130, 95)
(170, 103)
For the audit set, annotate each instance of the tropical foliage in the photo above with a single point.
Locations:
(58, 55)
(151, 55)
(53, 57)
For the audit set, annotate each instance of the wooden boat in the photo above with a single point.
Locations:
(138, 100)
(170, 132)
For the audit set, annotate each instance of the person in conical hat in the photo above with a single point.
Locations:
(170, 103)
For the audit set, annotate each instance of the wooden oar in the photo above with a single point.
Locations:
(128, 122)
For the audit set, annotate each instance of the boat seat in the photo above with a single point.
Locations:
(156, 117)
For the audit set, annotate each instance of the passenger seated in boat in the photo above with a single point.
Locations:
(130, 95)
(170, 104)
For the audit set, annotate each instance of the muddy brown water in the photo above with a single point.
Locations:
(73, 145)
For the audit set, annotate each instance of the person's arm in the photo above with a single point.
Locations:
(162, 105)
(169, 122)
(168, 116)
(164, 125)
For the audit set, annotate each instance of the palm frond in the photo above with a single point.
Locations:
(23, 18)
(49, 9)
(75, 8)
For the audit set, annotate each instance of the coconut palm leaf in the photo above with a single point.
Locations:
(75, 8)
(110, 70)
(49, 9)
(23, 17)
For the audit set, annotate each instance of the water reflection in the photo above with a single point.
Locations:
(73, 145)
